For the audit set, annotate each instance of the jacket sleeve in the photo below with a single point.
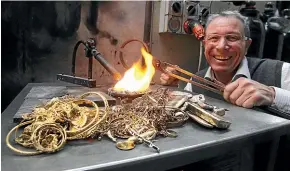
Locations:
(282, 97)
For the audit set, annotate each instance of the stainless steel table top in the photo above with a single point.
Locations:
(194, 143)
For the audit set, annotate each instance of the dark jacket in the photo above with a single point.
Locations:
(265, 71)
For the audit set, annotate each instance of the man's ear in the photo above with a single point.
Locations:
(203, 42)
(248, 43)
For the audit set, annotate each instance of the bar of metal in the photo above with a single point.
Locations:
(209, 117)
(199, 120)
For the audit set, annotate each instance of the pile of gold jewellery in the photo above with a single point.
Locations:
(51, 125)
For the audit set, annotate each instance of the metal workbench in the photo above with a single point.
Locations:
(193, 144)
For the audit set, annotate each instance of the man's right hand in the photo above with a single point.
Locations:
(249, 93)
(165, 79)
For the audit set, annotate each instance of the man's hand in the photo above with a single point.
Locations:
(248, 93)
(168, 80)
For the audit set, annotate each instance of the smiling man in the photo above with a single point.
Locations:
(248, 82)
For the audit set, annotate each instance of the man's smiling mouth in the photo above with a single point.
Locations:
(222, 58)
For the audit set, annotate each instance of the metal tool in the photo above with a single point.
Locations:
(208, 85)
(90, 51)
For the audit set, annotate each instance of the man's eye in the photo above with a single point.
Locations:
(233, 38)
(213, 38)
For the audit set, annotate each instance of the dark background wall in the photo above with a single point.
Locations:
(38, 39)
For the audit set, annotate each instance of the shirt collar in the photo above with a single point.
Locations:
(243, 70)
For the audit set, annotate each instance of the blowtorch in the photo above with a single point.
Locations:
(90, 51)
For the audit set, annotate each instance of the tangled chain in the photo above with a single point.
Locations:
(145, 113)
(49, 126)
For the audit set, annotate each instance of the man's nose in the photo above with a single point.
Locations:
(222, 44)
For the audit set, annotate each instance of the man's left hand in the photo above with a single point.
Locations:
(248, 93)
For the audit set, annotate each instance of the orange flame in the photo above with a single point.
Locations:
(137, 78)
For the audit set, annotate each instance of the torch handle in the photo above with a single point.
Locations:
(106, 65)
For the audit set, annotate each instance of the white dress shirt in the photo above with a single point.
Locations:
(282, 95)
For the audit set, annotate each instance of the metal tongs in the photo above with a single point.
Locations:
(208, 85)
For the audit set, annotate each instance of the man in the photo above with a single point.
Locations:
(249, 82)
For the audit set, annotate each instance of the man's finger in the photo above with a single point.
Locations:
(165, 76)
(163, 81)
(236, 94)
(244, 97)
(171, 69)
(229, 89)
(166, 80)
(249, 103)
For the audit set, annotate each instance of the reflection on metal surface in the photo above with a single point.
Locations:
(199, 120)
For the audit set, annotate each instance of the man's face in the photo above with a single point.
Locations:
(225, 45)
